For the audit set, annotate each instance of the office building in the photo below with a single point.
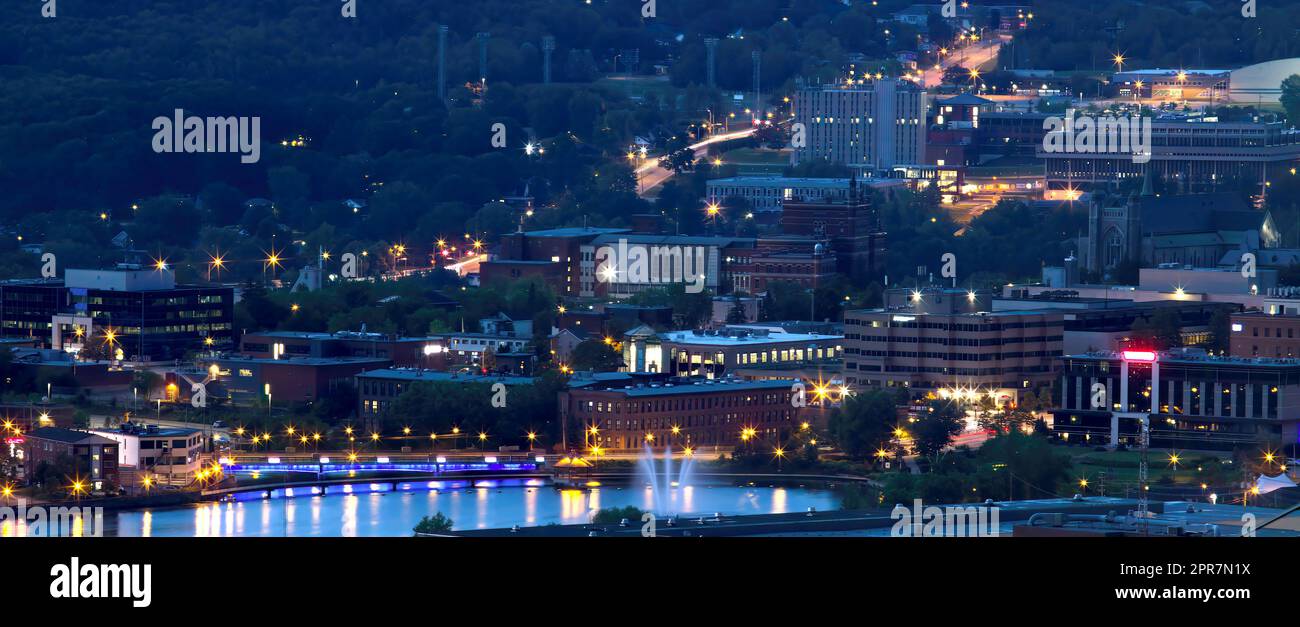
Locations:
(712, 353)
(1194, 400)
(1000, 352)
(868, 125)
(127, 313)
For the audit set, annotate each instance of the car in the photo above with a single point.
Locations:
(218, 424)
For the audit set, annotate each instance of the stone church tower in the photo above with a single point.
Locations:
(1115, 229)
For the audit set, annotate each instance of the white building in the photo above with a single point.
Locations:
(868, 124)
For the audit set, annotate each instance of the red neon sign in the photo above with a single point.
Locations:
(1139, 356)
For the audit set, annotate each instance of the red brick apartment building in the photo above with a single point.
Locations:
(699, 414)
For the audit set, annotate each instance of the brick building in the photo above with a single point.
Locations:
(96, 456)
(680, 413)
(1257, 334)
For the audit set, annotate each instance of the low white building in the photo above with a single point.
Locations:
(168, 454)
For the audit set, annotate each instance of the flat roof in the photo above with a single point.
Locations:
(302, 361)
(689, 337)
(162, 432)
(702, 387)
(800, 181)
(434, 376)
(1196, 359)
(574, 231)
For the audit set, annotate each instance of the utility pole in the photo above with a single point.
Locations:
(548, 47)
(482, 59)
(711, 53)
(442, 63)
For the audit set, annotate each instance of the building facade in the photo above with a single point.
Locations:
(129, 312)
(869, 125)
(1257, 334)
(1004, 352)
(711, 354)
(164, 454)
(681, 414)
(1195, 401)
(93, 455)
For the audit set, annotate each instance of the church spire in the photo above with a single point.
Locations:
(1147, 187)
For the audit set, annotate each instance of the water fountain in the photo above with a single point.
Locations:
(662, 481)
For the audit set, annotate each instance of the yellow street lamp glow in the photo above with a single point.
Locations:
(804, 426)
(779, 452)
(7, 490)
(482, 436)
(239, 431)
(352, 456)
(677, 430)
(649, 437)
(1083, 483)
(881, 453)
(348, 430)
(374, 437)
(1269, 457)
(406, 431)
(688, 451)
(290, 430)
(532, 435)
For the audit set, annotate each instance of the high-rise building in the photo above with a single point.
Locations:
(872, 125)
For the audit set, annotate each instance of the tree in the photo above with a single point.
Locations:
(1220, 331)
(436, 524)
(737, 313)
(616, 515)
(1018, 465)
(1290, 98)
(863, 423)
(596, 355)
(934, 430)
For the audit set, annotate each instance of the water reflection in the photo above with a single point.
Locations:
(351, 513)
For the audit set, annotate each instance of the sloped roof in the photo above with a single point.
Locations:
(1198, 213)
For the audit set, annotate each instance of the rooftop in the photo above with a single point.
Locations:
(150, 431)
(1191, 356)
(69, 436)
(743, 336)
(703, 386)
(302, 361)
(574, 231)
(801, 181)
(434, 376)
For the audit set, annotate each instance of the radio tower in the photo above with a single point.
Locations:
(442, 63)
(482, 59)
(548, 47)
(758, 93)
(711, 53)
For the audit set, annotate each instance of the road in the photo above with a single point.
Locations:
(650, 175)
(967, 57)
